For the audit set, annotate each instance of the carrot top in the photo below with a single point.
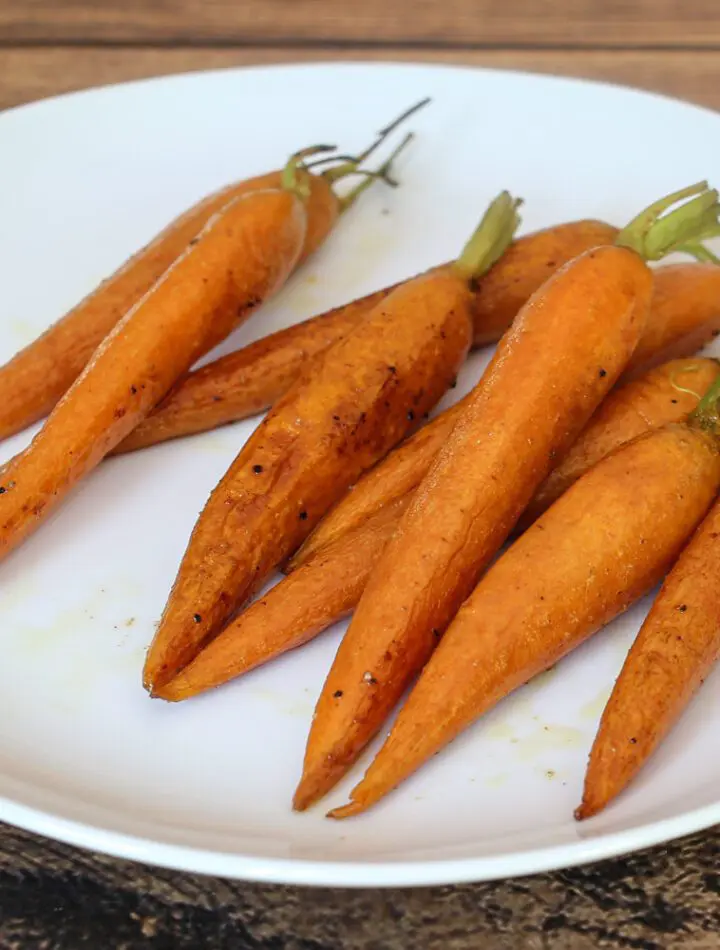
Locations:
(491, 238)
(706, 414)
(658, 231)
(296, 174)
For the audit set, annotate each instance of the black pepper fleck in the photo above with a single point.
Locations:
(133, 390)
(257, 469)
(303, 516)
(411, 415)
(453, 384)
(674, 402)
(436, 632)
(602, 372)
(633, 740)
(393, 369)
(338, 693)
(197, 618)
(682, 608)
(2, 489)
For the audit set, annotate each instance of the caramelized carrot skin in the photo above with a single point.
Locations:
(598, 549)
(321, 592)
(648, 402)
(33, 381)
(363, 396)
(566, 348)
(244, 254)
(676, 648)
(251, 380)
(685, 315)
(247, 381)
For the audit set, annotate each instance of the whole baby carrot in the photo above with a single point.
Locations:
(676, 648)
(243, 254)
(33, 381)
(563, 353)
(364, 394)
(599, 548)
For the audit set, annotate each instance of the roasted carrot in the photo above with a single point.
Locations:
(682, 316)
(33, 381)
(324, 590)
(603, 545)
(364, 394)
(665, 394)
(685, 315)
(243, 255)
(566, 348)
(676, 648)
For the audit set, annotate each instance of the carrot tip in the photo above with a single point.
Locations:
(346, 811)
(584, 811)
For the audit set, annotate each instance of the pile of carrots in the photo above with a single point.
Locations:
(591, 443)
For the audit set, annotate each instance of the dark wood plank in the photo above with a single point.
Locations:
(27, 74)
(586, 23)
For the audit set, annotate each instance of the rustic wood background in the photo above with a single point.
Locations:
(50, 46)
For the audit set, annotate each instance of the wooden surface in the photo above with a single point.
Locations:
(57, 898)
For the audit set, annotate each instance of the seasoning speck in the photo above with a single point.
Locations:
(674, 402)
(303, 515)
(2, 489)
(411, 415)
(197, 618)
(257, 469)
(633, 740)
(602, 372)
(338, 693)
(369, 678)
(682, 608)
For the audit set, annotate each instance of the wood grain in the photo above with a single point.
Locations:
(585, 23)
(27, 74)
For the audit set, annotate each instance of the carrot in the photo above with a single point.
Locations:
(364, 394)
(676, 648)
(242, 256)
(324, 590)
(252, 379)
(33, 381)
(682, 315)
(603, 545)
(563, 353)
(665, 394)
(685, 315)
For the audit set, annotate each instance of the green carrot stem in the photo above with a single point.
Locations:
(352, 163)
(706, 414)
(294, 176)
(383, 173)
(491, 238)
(658, 231)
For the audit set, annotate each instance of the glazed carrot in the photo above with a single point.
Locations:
(364, 394)
(563, 353)
(242, 256)
(676, 648)
(603, 545)
(685, 315)
(321, 592)
(33, 381)
(665, 394)
(682, 315)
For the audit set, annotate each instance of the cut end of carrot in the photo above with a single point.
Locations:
(346, 811)
(587, 810)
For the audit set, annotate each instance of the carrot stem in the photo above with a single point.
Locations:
(294, 175)
(706, 415)
(658, 231)
(383, 173)
(491, 238)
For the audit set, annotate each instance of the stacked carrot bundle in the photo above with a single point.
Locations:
(592, 440)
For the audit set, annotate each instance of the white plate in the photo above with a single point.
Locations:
(85, 756)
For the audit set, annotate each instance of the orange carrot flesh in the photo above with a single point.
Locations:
(253, 379)
(663, 395)
(600, 547)
(242, 256)
(563, 353)
(676, 648)
(247, 381)
(685, 315)
(34, 380)
(321, 592)
(363, 396)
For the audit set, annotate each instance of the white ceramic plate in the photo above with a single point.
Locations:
(85, 756)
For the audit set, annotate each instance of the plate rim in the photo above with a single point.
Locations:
(354, 873)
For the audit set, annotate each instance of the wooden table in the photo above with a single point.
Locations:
(52, 896)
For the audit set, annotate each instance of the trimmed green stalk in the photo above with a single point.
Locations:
(491, 238)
